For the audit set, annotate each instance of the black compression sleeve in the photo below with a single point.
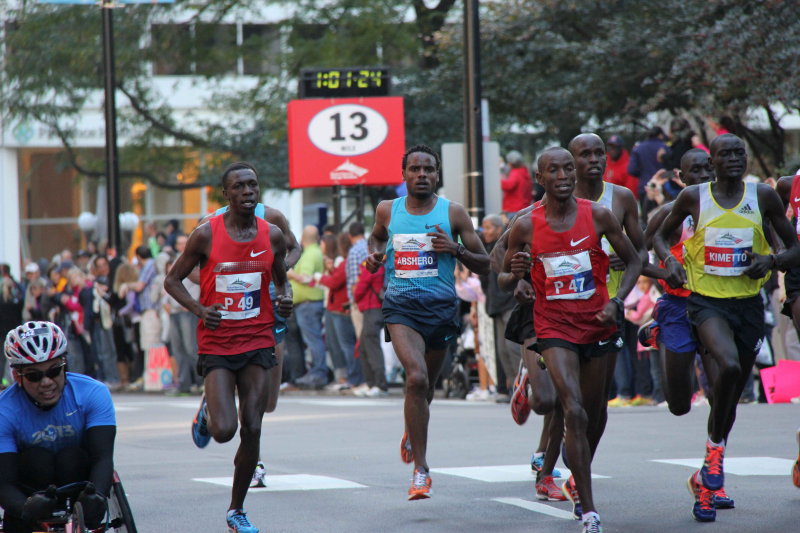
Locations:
(99, 443)
(11, 498)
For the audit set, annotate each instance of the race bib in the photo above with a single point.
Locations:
(725, 250)
(797, 222)
(568, 277)
(239, 295)
(414, 256)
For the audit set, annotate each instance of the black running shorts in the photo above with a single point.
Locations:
(584, 351)
(263, 357)
(745, 317)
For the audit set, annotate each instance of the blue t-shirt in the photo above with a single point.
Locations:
(421, 282)
(85, 403)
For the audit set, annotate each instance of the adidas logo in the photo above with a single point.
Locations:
(746, 209)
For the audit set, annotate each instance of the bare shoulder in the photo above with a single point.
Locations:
(274, 216)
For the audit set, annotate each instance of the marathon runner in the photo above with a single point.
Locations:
(726, 263)
(415, 235)
(568, 270)
(239, 255)
(293, 250)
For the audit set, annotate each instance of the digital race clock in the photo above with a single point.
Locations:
(344, 82)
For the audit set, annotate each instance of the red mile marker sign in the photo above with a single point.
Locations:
(346, 141)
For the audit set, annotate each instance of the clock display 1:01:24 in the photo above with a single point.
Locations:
(362, 79)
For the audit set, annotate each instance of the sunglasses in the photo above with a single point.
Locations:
(35, 376)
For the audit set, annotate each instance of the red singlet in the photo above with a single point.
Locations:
(569, 278)
(237, 276)
(794, 201)
(687, 230)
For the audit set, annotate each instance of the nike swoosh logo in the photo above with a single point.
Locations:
(72, 413)
(431, 226)
(256, 255)
(797, 199)
(576, 243)
(603, 343)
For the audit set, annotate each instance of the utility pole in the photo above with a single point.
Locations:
(110, 111)
(472, 111)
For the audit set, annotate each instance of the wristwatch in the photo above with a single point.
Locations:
(460, 249)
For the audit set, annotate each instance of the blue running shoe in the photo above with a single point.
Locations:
(722, 501)
(537, 463)
(711, 474)
(200, 434)
(238, 522)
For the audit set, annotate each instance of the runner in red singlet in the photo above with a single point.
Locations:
(237, 255)
(575, 320)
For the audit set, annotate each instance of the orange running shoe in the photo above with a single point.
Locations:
(796, 469)
(520, 408)
(420, 486)
(571, 493)
(406, 453)
(546, 489)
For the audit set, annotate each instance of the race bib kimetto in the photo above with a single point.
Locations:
(568, 277)
(725, 250)
(414, 256)
(239, 295)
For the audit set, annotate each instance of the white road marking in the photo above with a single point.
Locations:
(741, 466)
(291, 482)
(341, 402)
(536, 507)
(500, 473)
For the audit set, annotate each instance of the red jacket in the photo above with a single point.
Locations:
(617, 172)
(367, 288)
(336, 281)
(517, 190)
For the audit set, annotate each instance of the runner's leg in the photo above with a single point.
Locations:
(251, 382)
(220, 384)
(410, 348)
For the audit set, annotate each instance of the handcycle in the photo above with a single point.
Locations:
(69, 518)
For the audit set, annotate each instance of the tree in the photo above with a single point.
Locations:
(53, 70)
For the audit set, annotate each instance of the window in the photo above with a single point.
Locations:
(215, 49)
(261, 49)
(172, 49)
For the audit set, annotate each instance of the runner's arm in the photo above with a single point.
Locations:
(681, 208)
(649, 237)
(633, 230)
(474, 256)
(606, 224)
(774, 212)
(379, 236)
(517, 260)
(283, 290)
(784, 189)
(99, 443)
(293, 249)
(11, 498)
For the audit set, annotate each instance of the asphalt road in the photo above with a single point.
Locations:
(333, 466)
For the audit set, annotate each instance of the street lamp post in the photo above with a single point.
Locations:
(472, 111)
(112, 162)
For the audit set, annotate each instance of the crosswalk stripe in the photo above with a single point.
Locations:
(536, 507)
(290, 482)
(741, 466)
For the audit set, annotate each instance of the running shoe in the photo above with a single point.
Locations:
(591, 524)
(796, 469)
(200, 434)
(546, 489)
(619, 401)
(647, 334)
(703, 509)
(520, 408)
(420, 485)
(571, 494)
(721, 500)
(537, 463)
(406, 453)
(711, 474)
(259, 476)
(238, 522)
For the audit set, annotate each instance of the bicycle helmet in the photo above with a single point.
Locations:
(34, 342)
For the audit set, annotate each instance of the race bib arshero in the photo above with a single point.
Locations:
(414, 256)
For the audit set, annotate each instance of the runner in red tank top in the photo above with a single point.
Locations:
(788, 189)
(670, 331)
(575, 320)
(238, 255)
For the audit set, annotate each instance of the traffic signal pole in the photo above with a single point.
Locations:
(472, 112)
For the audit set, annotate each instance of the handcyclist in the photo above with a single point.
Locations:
(56, 428)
